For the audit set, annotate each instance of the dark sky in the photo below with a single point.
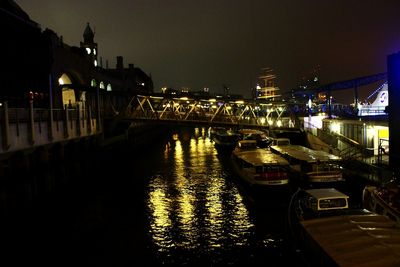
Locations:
(214, 42)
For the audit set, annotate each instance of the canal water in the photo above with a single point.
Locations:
(174, 202)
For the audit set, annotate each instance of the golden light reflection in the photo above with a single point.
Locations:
(159, 205)
(215, 214)
(193, 204)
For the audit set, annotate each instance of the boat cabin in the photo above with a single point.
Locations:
(260, 166)
(259, 136)
(314, 166)
(326, 199)
(279, 141)
(247, 144)
(322, 202)
(341, 236)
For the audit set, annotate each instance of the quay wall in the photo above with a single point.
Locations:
(42, 173)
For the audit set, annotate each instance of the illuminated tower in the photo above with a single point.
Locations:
(267, 88)
(89, 44)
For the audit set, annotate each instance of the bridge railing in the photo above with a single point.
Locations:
(208, 111)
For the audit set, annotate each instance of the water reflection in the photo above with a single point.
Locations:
(191, 204)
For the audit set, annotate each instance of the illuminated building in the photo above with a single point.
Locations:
(42, 69)
(268, 88)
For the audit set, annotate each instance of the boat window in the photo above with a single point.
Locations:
(325, 167)
(332, 203)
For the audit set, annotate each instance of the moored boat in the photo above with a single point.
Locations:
(224, 139)
(315, 168)
(332, 234)
(252, 134)
(260, 169)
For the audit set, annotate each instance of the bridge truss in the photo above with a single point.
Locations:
(208, 111)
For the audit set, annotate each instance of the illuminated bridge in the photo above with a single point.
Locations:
(209, 111)
(29, 128)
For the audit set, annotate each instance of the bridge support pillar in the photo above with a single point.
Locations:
(78, 120)
(31, 124)
(89, 120)
(5, 127)
(66, 119)
(50, 124)
(393, 62)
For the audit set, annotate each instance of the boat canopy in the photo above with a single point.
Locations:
(357, 240)
(303, 153)
(260, 157)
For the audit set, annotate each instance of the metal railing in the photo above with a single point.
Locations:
(24, 128)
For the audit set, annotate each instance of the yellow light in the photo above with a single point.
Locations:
(371, 131)
(262, 120)
(335, 127)
(279, 123)
(239, 102)
(212, 100)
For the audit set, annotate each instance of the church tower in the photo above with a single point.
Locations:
(89, 45)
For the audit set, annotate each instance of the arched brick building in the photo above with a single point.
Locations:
(38, 65)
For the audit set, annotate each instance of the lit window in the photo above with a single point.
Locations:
(95, 63)
(64, 79)
(94, 51)
(88, 50)
(102, 85)
(93, 83)
(109, 87)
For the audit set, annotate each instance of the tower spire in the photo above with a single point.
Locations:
(89, 45)
(88, 35)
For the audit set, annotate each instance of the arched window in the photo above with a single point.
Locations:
(102, 85)
(93, 83)
(109, 87)
(64, 79)
(68, 94)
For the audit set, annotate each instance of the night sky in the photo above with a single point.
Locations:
(209, 43)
